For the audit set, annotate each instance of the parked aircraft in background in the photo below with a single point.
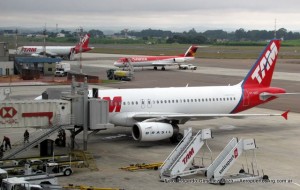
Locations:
(66, 52)
(154, 113)
(156, 61)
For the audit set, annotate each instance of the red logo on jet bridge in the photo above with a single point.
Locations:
(8, 112)
(236, 153)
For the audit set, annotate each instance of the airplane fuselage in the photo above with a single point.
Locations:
(202, 100)
(153, 61)
(59, 50)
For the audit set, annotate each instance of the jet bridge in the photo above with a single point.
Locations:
(74, 111)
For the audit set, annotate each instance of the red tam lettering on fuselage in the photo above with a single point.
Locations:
(29, 50)
(115, 104)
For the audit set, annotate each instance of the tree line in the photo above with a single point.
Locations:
(212, 36)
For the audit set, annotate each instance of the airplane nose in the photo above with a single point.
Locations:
(116, 64)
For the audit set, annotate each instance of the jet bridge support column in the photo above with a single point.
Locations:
(85, 112)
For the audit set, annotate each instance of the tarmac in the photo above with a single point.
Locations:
(278, 153)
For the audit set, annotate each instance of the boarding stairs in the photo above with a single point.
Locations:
(35, 138)
(179, 161)
(216, 171)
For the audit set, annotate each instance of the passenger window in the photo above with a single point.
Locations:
(136, 103)
(191, 100)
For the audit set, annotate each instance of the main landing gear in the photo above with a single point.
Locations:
(177, 137)
(162, 68)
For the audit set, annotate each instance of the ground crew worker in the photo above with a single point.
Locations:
(26, 136)
(6, 140)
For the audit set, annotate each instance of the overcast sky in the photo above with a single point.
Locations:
(174, 15)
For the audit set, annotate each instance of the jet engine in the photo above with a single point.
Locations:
(178, 60)
(152, 131)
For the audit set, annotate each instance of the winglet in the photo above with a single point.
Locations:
(285, 115)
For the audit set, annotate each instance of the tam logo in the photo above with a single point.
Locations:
(84, 39)
(236, 153)
(115, 104)
(29, 50)
(265, 63)
(188, 156)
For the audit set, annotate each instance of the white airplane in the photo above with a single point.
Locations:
(155, 61)
(53, 51)
(154, 113)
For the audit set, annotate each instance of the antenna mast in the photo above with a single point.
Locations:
(275, 29)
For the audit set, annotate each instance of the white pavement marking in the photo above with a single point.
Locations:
(242, 73)
(296, 184)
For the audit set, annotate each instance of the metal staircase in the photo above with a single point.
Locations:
(35, 138)
(178, 162)
(234, 149)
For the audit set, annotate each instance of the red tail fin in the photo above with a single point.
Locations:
(191, 51)
(84, 41)
(261, 73)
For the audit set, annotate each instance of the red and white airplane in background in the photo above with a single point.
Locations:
(54, 51)
(154, 113)
(155, 61)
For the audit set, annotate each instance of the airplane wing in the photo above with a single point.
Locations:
(48, 54)
(163, 63)
(183, 118)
